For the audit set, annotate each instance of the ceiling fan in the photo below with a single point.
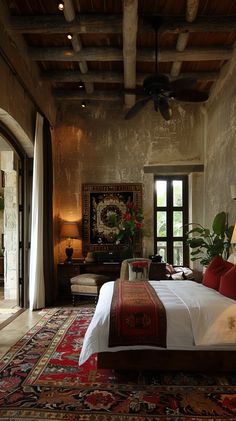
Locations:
(158, 88)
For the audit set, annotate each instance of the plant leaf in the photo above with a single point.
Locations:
(219, 223)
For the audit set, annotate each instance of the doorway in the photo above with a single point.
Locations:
(11, 231)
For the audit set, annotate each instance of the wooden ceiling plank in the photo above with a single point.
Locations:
(115, 54)
(202, 24)
(69, 14)
(130, 27)
(67, 76)
(112, 24)
(90, 76)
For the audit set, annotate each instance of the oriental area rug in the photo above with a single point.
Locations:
(40, 380)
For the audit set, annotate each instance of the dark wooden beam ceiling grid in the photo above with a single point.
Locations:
(113, 43)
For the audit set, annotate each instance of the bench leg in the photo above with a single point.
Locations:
(73, 300)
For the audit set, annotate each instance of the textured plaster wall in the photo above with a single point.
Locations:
(97, 145)
(220, 146)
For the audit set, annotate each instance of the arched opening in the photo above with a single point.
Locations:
(15, 198)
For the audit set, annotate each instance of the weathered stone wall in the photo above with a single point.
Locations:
(9, 164)
(97, 145)
(220, 146)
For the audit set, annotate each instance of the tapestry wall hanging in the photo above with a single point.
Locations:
(101, 204)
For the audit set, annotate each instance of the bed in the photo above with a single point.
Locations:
(201, 331)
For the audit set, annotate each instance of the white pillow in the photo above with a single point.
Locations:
(186, 272)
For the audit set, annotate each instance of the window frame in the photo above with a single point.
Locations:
(170, 208)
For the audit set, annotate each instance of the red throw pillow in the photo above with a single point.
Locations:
(215, 269)
(228, 283)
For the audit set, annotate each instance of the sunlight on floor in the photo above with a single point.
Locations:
(11, 333)
(7, 307)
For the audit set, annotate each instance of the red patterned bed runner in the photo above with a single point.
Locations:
(137, 316)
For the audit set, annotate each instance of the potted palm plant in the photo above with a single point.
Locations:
(206, 243)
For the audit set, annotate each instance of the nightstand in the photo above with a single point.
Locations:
(157, 271)
(66, 271)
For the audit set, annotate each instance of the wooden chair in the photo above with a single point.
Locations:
(135, 268)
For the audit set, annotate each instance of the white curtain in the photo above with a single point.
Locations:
(36, 277)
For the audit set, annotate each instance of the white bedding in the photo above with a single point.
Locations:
(197, 318)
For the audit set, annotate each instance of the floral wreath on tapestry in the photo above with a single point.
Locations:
(115, 219)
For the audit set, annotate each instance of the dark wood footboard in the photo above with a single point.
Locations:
(168, 360)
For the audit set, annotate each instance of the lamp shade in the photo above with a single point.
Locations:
(69, 230)
(233, 191)
(233, 238)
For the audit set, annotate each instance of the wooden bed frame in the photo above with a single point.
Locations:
(168, 360)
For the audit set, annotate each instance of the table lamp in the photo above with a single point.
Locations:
(233, 238)
(233, 242)
(69, 230)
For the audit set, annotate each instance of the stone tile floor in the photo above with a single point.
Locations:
(11, 333)
(7, 307)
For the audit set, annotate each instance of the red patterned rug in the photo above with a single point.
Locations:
(40, 380)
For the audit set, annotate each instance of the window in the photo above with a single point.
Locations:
(171, 219)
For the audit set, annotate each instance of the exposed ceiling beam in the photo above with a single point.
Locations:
(183, 37)
(69, 14)
(191, 10)
(94, 96)
(115, 54)
(181, 44)
(65, 76)
(111, 24)
(130, 27)
(50, 24)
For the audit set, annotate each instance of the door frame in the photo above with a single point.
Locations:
(24, 211)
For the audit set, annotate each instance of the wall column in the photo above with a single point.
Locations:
(9, 165)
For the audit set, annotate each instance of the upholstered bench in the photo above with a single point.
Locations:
(87, 284)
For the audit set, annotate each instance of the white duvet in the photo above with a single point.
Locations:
(197, 317)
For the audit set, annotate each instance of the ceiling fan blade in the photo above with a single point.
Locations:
(165, 108)
(182, 83)
(191, 96)
(156, 104)
(137, 107)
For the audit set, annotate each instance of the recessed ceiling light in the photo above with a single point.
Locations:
(60, 6)
(69, 36)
